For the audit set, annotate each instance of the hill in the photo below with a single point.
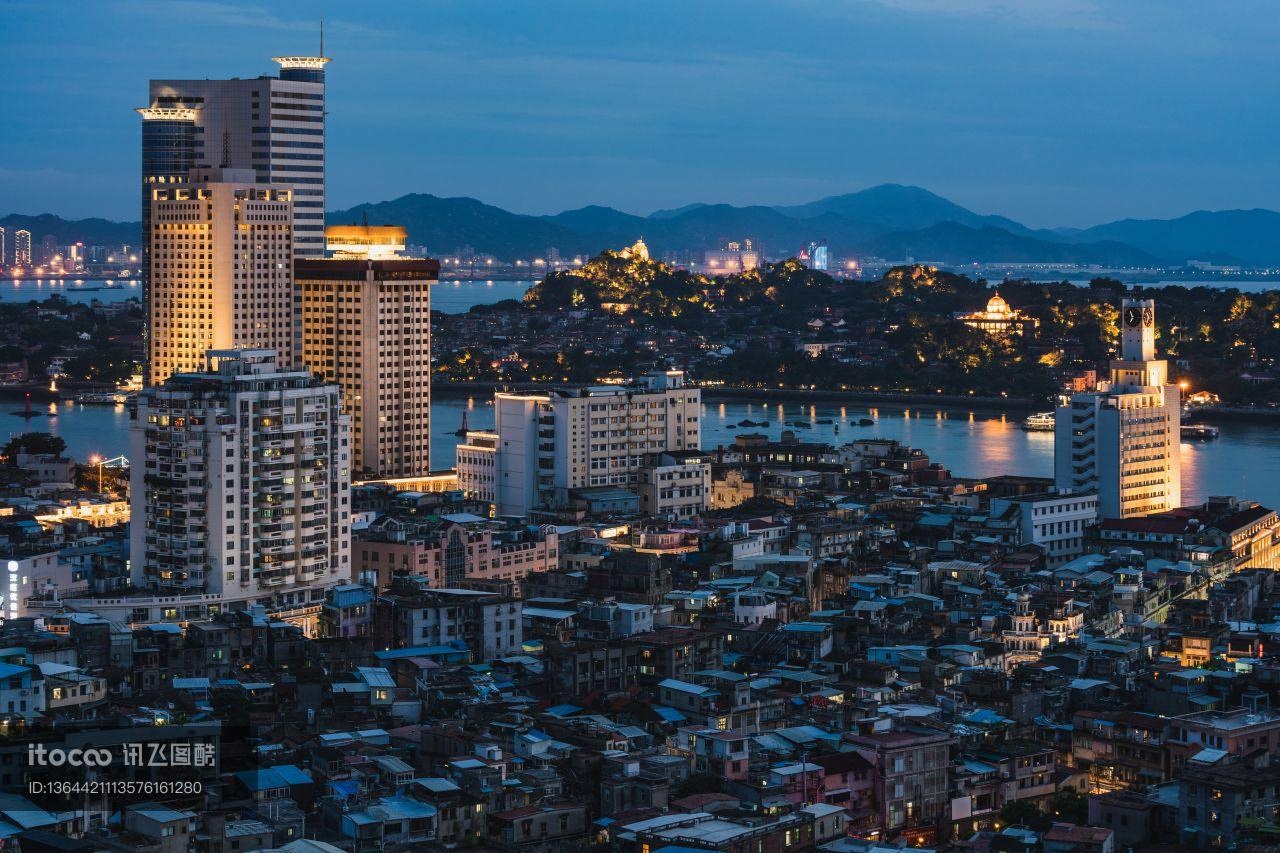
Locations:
(91, 232)
(1251, 236)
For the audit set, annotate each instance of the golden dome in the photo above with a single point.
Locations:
(997, 305)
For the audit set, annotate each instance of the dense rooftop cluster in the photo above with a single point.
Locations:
(849, 649)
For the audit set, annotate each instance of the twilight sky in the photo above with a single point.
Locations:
(1054, 112)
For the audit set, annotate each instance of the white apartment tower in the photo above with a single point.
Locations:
(1122, 441)
(22, 248)
(366, 327)
(221, 274)
(544, 444)
(240, 485)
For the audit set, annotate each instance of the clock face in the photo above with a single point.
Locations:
(1132, 317)
(1148, 317)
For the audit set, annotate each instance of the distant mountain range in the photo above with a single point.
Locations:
(890, 221)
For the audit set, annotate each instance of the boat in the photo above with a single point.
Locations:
(823, 421)
(1199, 432)
(113, 285)
(865, 422)
(102, 398)
(1039, 422)
(750, 423)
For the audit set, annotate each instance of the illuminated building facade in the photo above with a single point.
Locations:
(240, 486)
(273, 125)
(221, 277)
(22, 248)
(998, 318)
(366, 327)
(1122, 441)
(544, 444)
(734, 257)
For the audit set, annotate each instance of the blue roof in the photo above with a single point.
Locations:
(671, 715)
(281, 776)
(7, 670)
(563, 711)
(422, 651)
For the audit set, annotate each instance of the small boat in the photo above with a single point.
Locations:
(1039, 422)
(749, 423)
(865, 422)
(823, 421)
(802, 424)
(1199, 432)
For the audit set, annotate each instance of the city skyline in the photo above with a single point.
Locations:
(1056, 115)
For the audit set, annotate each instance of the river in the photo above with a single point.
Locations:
(1244, 462)
(448, 296)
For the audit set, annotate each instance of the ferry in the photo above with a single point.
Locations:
(1199, 432)
(103, 398)
(1039, 422)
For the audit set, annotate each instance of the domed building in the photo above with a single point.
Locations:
(1000, 319)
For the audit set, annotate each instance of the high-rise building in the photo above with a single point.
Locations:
(545, 444)
(4, 256)
(48, 249)
(168, 156)
(221, 270)
(366, 327)
(1122, 441)
(240, 484)
(273, 125)
(22, 248)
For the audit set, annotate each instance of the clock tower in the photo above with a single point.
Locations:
(1138, 330)
(1122, 441)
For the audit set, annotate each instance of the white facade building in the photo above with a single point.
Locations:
(273, 125)
(1055, 522)
(240, 486)
(544, 444)
(1123, 440)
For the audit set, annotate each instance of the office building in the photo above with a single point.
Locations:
(273, 125)
(1056, 522)
(221, 270)
(168, 156)
(1122, 441)
(366, 327)
(543, 445)
(22, 248)
(240, 486)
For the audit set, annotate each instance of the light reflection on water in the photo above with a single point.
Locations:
(1244, 462)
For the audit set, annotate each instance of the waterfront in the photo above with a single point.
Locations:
(449, 296)
(1244, 462)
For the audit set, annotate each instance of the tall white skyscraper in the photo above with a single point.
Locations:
(22, 248)
(544, 444)
(240, 484)
(273, 125)
(221, 270)
(1122, 441)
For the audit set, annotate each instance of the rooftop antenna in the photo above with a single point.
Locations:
(322, 35)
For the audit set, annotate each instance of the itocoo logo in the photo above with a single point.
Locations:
(41, 755)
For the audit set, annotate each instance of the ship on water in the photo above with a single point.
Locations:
(1039, 422)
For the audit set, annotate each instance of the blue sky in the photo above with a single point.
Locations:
(1054, 112)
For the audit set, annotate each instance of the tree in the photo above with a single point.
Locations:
(33, 442)
(699, 783)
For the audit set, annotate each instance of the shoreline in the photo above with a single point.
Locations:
(1008, 404)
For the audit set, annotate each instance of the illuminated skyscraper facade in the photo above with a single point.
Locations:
(1123, 440)
(366, 327)
(221, 270)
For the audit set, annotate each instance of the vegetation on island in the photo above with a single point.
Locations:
(899, 333)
